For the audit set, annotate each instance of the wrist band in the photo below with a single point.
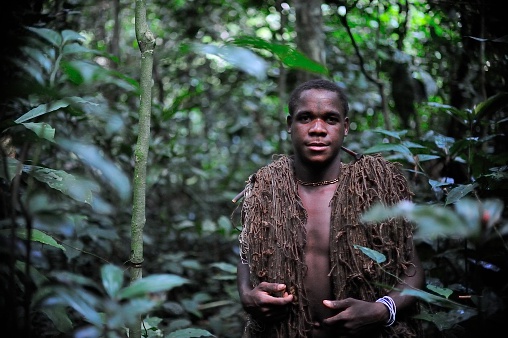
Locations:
(390, 304)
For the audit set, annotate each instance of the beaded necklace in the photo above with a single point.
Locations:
(316, 184)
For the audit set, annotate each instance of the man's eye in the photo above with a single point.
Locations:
(304, 118)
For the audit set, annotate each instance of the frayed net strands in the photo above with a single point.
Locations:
(273, 239)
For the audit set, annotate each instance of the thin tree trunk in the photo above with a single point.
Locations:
(310, 37)
(146, 42)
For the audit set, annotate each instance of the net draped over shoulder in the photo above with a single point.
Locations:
(273, 237)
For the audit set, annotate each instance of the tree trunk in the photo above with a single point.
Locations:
(310, 37)
(146, 42)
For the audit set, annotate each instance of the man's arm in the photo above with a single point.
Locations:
(356, 316)
(414, 278)
(267, 301)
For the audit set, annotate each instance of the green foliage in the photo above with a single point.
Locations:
(290, 57)
(442, 300)
(218, 114)
(111, 308)
(462, 212)
(188, 333)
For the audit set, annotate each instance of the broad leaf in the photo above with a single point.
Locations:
(92, 156)
(427, 157)
(391, 133)
(151, 284)
(373, 254)
(239, 57)
(490, 106)
(79, 189)
(386, 147)
(43, 130)
(225, 267)
(190, 333)
(458, 192)
(447, 320)
(43, 109)
(14, 167)
(433, 299)
(58, 315)
(433, 221)
(445, 292)
(78, 299)
(290, 57)
(36, 236)
(50, 35)
(75, 48)
(129, 312)
(112, 279)
(70, 35)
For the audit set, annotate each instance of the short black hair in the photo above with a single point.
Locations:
(317, 84)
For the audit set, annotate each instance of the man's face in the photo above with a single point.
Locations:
(318, 126)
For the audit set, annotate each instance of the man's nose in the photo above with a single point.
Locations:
(318, 126)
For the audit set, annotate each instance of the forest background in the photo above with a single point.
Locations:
(105, 177)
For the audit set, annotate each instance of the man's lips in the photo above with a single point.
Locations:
(317, 146)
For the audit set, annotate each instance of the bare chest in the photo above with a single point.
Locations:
(317, 204)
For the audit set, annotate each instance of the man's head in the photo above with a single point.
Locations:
(318, 122)
(318, 84)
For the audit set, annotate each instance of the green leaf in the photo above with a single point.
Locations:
(36, 236)
(290, 57)
(386, 147)
(433, 221)
(130, 311)
(81, 301)
(445, 292)
(461, 116)
(58, 315)
(50, 35)
(81, 72)
(43, 130)
(151, 284)
(43, 109)
(490, 106)
(74, 279)
(239, 57)
(92, 156)
(458, 192)
(78, 189)
(74, 48)
(444, 142)
(70, 35)
(14, 167)
(426, 157)
(225, 267)
(391, 133)
(436, 184)
(447, 320)
(413, 145)
(433, 299)
(189, 333)
(112, 279)
(373, 254)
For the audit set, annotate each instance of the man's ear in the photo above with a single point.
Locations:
(346, 126)
(289, 121)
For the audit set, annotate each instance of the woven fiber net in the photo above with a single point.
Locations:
(273, 237)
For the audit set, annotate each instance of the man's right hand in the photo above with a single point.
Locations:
(268, 302)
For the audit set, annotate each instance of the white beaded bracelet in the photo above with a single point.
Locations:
(390, 304)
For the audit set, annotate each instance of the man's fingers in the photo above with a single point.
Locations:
(336, 304)
(271, 287)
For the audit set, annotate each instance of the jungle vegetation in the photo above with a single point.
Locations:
(128, 127)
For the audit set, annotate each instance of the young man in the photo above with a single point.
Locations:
(301, 272)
